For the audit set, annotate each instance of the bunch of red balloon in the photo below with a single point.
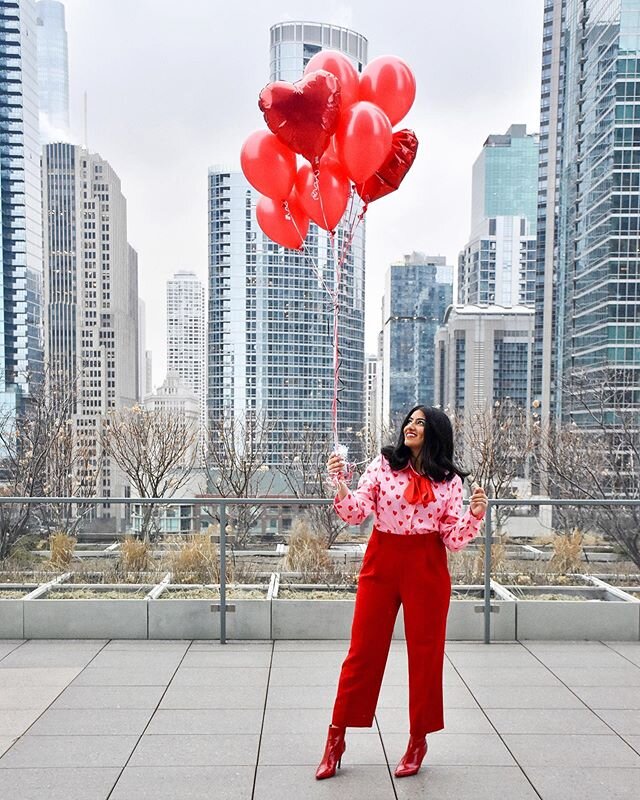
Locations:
(341, 123)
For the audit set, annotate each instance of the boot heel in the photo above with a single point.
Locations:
(339, 762)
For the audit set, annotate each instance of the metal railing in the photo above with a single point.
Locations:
(205, 502)
(531, 501)
(222, 503)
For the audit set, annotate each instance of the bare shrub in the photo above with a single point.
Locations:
(307, 552)
(498, 558)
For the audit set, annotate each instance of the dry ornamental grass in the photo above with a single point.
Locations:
(307, 553)
(197, 561)
(135, 555)
(61, 547)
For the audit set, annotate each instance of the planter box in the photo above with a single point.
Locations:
(294, 618)
(466, 616)
(332, 618)
(184, 618)
(46, 617)
(604, 616)
(11, 611)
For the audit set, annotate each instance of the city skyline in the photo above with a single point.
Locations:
(454, 111)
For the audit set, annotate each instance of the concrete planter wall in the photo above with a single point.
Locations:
(305, 619)
(310, 619)
(46, 617)
(604, 616)
(185, 618)
(11, 612)
(612, 613)
(466, 616)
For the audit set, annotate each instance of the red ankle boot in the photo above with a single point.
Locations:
(410, 762)
(333, 751)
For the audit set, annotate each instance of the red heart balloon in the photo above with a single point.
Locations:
(304, 115)
(388, 177)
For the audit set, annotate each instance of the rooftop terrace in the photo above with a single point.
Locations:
(116, 720)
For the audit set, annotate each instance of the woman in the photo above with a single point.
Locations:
(415, 492)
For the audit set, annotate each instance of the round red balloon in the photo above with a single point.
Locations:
(283, 221)
(304, 115)
(389, 82)
(339, 65)
(325, 199)
(268, 165)
(363, 140)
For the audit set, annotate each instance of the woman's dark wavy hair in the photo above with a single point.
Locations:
(437, 448)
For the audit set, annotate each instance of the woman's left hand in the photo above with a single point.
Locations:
(478, 502)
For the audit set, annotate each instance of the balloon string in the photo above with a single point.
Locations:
(316, 194)
(339, 255)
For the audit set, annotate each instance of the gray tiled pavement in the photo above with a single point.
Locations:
(116, 720)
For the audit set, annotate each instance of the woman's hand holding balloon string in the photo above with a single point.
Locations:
(337, 469)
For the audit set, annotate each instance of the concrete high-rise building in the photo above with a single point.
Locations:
(414, 305)
(370, 399)
(53, 71)
(91, 296)
(270, 348)
(497, 264)
(186, 334)
(20, 205)
(148, 372)
(142, 349)
(588, 281)
(483, 355)
(177, 397)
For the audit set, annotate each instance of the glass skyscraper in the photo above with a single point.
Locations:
(21, 205)
(270, 345)
(53, 70)
(596, 258)
(418, 292)
(505, 177)
(498, 262)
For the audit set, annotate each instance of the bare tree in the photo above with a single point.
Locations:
(306, 476)
(41, 456)
(155, 448)
(236, 466)
(496, 444)
(599, 458)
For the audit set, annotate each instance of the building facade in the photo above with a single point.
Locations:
(91, 297)
(20, 205)
(186, 341)
(497, 265)
(270, 347)
(418, 291)
(371, 429)
(483, 355)
(53, 71)
(589, 257)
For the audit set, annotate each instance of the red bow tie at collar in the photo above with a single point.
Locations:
(419, 490)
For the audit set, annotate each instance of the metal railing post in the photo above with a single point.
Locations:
(223, 573)
(487, 574)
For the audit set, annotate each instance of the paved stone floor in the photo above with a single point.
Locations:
(131, 720)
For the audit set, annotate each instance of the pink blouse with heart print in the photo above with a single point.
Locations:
(381, 492)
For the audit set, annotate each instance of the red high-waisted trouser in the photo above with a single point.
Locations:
(397, 569)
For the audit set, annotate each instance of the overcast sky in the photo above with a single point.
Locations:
(172, 89)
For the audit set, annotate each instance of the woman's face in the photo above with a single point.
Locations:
(414, 431)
